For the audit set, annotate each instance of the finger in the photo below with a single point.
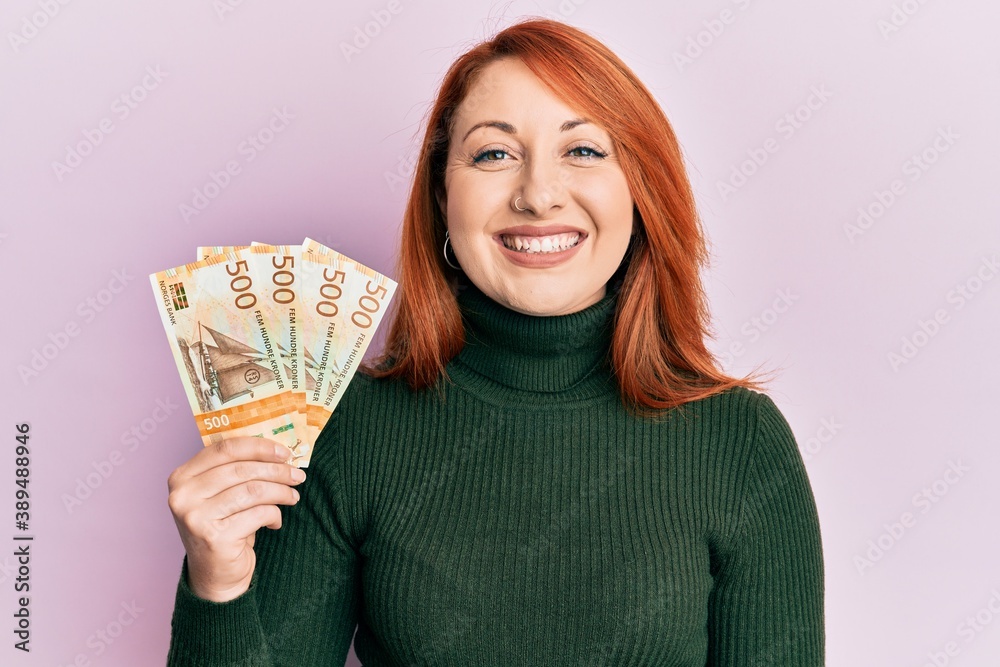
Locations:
(196, 491)
(243, 496)
(216, 480)
(242, 525)
(230, 449)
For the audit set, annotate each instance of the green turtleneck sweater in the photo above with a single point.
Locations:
(523, 517)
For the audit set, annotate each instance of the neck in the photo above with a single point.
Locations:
(530, 353)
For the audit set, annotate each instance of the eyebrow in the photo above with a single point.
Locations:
(510, 129)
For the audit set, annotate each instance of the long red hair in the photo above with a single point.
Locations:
(658, 351)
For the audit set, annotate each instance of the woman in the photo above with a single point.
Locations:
(546, 467)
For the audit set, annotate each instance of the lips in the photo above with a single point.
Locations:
(529, 239)
(544, 244)
(539, 247)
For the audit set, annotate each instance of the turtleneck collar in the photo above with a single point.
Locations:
(537, 354)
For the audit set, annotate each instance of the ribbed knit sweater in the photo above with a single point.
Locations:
(521, 516)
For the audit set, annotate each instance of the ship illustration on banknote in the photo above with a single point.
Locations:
(225, 370)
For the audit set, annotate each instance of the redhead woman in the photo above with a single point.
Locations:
(547, 466)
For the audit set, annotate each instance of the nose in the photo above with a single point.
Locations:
(544, 186)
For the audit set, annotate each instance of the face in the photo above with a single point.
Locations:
(513, 138)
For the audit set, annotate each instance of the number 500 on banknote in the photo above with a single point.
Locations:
(229, 359)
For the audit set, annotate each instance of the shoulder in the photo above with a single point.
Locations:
(776, 480)
(753, 414)
(759, 465)
(770, 442)
(748, 436)
(731, 421)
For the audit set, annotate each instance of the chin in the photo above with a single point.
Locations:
(550, 302)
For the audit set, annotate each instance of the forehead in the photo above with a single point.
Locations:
(507, 90)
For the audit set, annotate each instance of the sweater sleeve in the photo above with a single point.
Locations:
(766, 607)
(302, 605)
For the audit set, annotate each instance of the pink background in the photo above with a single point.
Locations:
(874, 436)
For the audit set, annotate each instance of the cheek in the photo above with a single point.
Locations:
(472, 203)
(610, 204)
(604, 184)
(466, 223)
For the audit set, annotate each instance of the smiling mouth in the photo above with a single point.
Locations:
(540, 245)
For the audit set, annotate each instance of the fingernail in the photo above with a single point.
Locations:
(298, 474)
(282, 452)
(296, 495)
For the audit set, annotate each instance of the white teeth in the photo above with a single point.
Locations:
(541, 244)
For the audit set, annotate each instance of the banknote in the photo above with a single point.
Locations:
(366, 295)
(342, 305)
(206, 251)
(325, 275)
(225, 351)
(295, 320)
(275, 269)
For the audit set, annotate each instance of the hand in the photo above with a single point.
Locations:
(219, 498)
